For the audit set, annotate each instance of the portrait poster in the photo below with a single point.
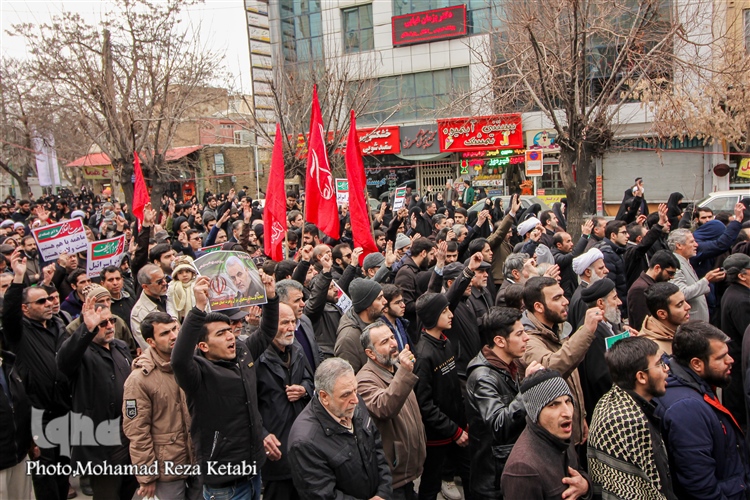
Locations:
(235, 281)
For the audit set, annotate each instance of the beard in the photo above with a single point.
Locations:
(553, 317)
(594, 278)
(653, 389)
(613, 315)
(717, 379)
(386, 360)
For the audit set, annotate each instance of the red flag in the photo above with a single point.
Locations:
(359, 214)
(140, 193)
(320, 195)
(274, 213)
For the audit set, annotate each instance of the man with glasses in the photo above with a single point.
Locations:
(662, 267)
(613, 248)
(626, 455)
(154, 298)
(31, 331)
(97, 365)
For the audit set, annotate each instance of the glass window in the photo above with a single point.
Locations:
(746, 15)
(302, 30)
(358, 28)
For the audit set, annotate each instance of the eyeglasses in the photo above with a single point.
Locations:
(659, 364)
(41, 302)
(161, 281)
(110, 321)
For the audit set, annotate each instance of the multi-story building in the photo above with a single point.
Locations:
(427, 60)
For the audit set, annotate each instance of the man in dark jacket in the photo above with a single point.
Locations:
(219, 380)
(97, 365)
(564, 252)
(663, 266)
(422, 253)
(323, 313)
(32, 333)
(735, 318)
(613, 249)
(335, 450)
(494, 409)
(543, 463)
(640, 244)
(285, 386)
(73, 303)
(627, 457)
(15, 431)
(707, 452)
(292, 294)
(439, 394)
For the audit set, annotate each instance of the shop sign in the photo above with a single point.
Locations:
(544, 139)
(534, 163)
(744, 170)
(428, 26)
(379, 141)
(481, 133)
(419, 140)
(98, 172)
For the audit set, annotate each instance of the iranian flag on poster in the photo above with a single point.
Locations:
(64, 237)
(104, 253)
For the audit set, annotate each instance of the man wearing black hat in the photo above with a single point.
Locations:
(595, 378)
(735, 318)
(368, 304)
(543, 463)
(438, 391)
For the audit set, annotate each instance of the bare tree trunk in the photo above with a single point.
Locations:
(23, 185)
(578, 186)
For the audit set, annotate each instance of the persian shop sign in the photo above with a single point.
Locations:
(98, 172)
(379, 141)
(481, 133)
(429, 26)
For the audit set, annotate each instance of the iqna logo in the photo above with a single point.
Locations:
(73, 429)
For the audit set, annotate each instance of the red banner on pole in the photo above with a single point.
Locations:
(358, 208)
(274, 213)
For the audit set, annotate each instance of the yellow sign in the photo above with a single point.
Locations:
(98, 172)
(744, 170)
(550, 199)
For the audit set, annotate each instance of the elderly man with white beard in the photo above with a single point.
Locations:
(595, 377)
(590, 268)
(285, 386)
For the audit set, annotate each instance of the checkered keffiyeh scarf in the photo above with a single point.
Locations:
(620, 450)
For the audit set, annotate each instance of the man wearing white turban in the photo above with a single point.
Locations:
(590, 268)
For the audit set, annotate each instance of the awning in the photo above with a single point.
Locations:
(101, 159)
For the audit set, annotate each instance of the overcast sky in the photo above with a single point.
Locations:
(222, 27)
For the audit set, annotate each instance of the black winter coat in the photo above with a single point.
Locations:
(97, 377)
(15, 416)
(439, 390)
(613, 259)
(324, 316)
(223, 397)
(568, 277)
(35, 347)
(329, 462)
(406, 278)
(277, 411)
(496, 416)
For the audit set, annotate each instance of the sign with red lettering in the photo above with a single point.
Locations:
(481, 133)
(429, 25)
(379, 141)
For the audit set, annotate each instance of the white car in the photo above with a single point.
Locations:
(724, 201)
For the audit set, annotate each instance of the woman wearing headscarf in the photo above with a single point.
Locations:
(674, 212)
(559, 210)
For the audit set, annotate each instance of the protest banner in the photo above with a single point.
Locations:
(342, 191)
(211, 249)
(235, 281)
(64, 237)
(342, 300)
(399, 198)
(104, 253)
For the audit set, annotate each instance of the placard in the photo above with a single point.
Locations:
(211, 249)
(235, 281)
(63, 237)
(343, 301)
(104, 253)
(342, 192)
(399, 198)
(610, 341)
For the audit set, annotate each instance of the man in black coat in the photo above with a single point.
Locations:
(285, 386)
(640, 244)
(15, 431)
(564, 252)
(335, 449)
(422, 253)
(97, 365)
(613, 248)
(219, 380)
(32, 333)
(735, 318)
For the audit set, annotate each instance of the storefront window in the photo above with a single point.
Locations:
(551, 182)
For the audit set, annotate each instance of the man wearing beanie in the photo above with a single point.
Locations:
(104, 299)
(543, 463)
(368, 304)
(552, 345)
(438, 391)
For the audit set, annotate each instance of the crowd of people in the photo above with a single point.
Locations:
(484, 351)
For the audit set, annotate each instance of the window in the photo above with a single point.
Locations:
(418, 95)
(746, 16)
(301, 30)
(358, 28)
(551, 181)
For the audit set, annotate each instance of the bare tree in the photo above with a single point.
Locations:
(579, 62)
(127, 82)
(344, 83)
